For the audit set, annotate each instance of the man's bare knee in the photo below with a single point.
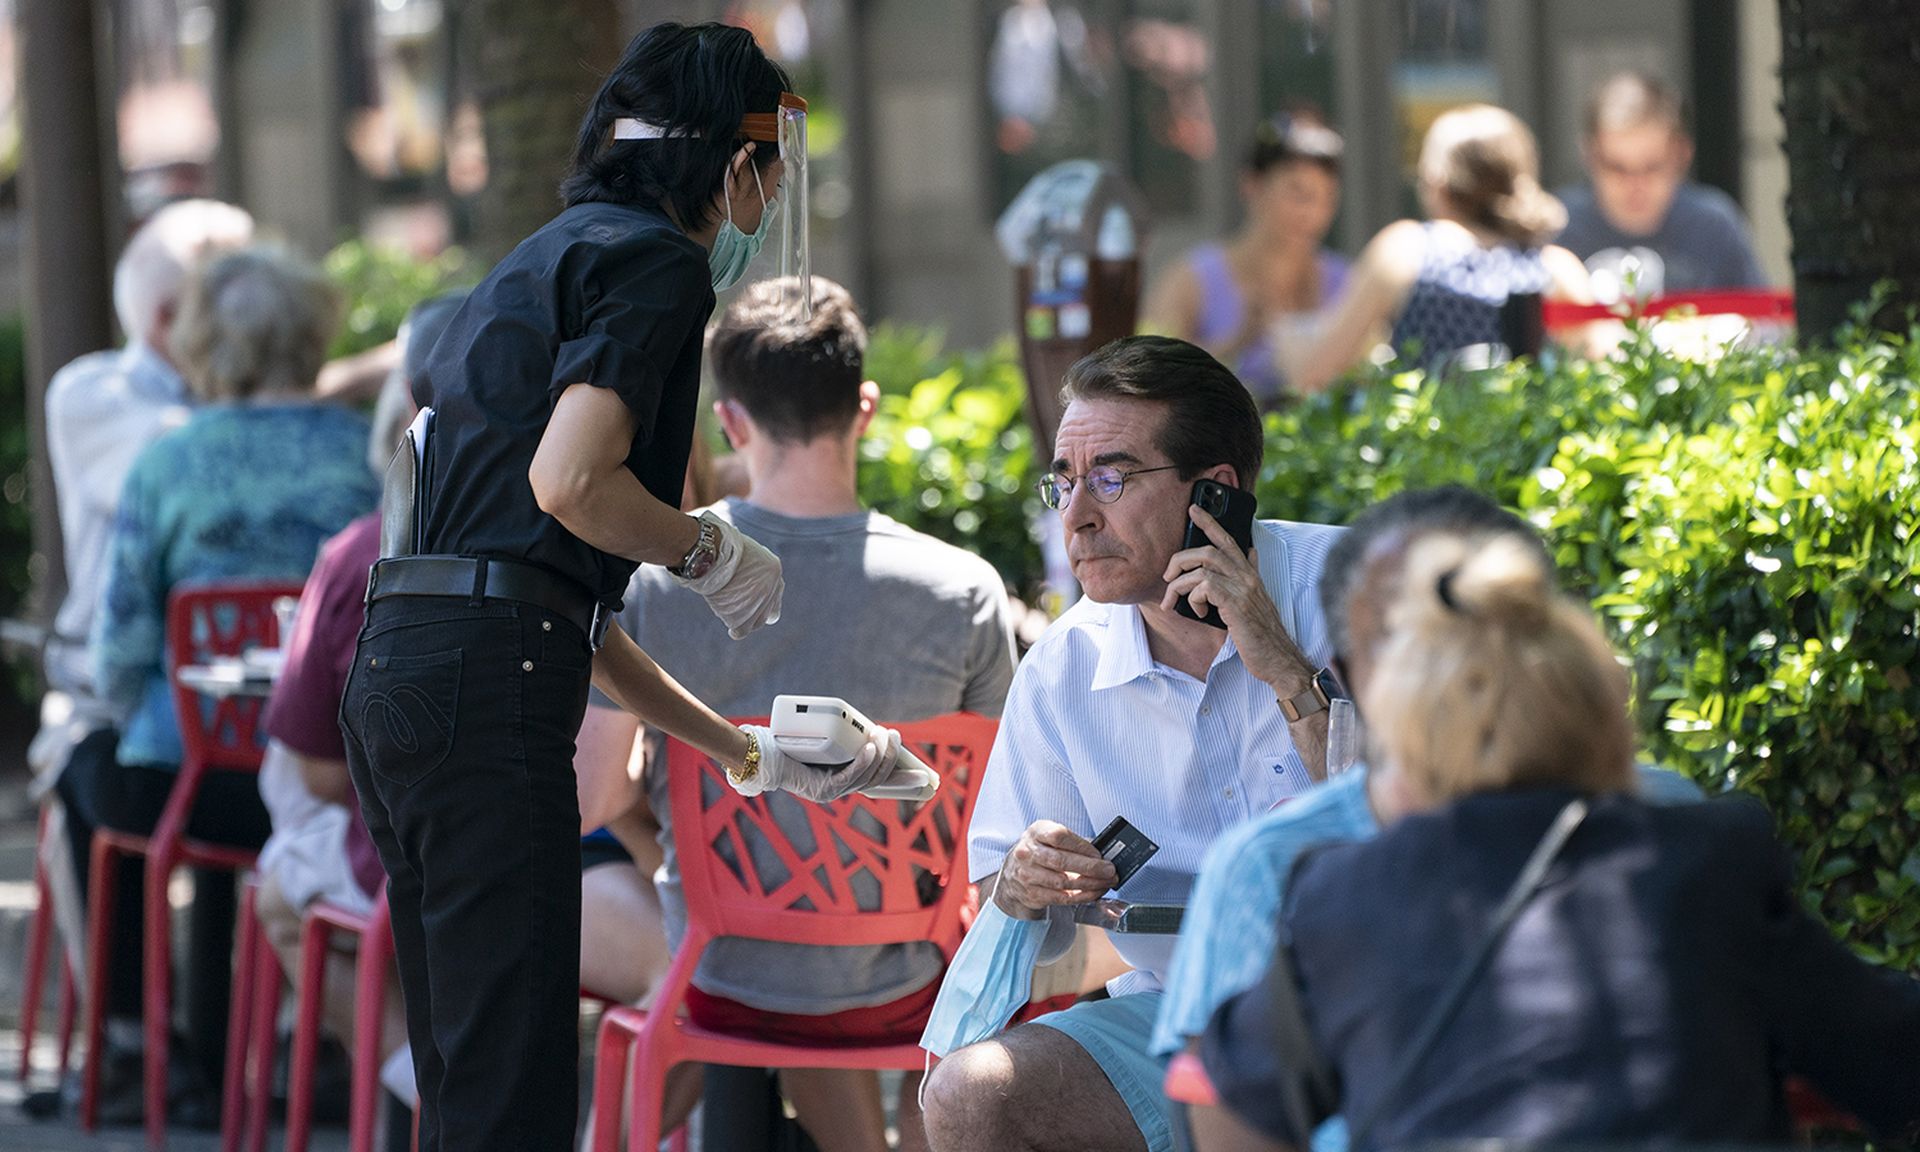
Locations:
(965, 1095)
(1033, 1088)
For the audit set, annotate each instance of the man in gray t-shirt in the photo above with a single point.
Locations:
(1640, 225)
(901, 625)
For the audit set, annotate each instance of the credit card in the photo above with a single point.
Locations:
(1125, 847)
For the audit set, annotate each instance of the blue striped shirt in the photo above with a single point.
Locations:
(1095, 728)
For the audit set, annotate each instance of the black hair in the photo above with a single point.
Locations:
(1292, 137)
(1211, 418)
(1448, 508)
(699, 79)
(797, 378)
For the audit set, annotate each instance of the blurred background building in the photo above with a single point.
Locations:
(330, 118)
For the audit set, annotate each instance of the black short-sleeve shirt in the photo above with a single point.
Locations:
(609, 295)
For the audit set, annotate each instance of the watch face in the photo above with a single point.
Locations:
(704, 555)
(1329, 684)
(706, 551)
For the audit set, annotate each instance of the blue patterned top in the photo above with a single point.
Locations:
(241, 492)
(1456, 301)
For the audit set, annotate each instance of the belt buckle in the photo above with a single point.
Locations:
(597, 630)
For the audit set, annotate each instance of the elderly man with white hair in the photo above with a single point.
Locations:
(102, 410)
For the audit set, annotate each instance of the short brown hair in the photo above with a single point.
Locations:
(1630, 100)
(797, 378)
(1490, 679)
(1211, 417)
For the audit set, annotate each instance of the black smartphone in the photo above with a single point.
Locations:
(1233, 508)
(1125, 847)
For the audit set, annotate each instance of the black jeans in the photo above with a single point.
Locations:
(98, 791)
(460, 720)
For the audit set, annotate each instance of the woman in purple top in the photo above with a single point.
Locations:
(1259, 299)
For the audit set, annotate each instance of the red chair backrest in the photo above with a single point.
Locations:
(221, 620)
(1763, 305)
(907, 862)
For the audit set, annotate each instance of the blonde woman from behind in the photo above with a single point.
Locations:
(1440, 286)
(1657, 983)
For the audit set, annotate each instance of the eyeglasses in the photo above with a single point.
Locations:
(1104, 483)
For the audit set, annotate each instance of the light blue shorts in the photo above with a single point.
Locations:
(1115, 1033)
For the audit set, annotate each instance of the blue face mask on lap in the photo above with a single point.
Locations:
(733, 249)
(990, 977)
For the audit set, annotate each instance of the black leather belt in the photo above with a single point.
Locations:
(475, 580)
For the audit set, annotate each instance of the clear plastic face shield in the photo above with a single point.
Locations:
(786, 254)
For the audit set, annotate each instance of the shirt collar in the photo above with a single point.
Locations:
(1124, 655)
(149, 375)
(1123, 648)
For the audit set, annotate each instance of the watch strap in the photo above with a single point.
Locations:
(1308, 702)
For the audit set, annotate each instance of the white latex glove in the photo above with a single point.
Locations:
(744, 586)
(781, 772)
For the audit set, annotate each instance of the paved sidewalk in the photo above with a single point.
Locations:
(18, 1132)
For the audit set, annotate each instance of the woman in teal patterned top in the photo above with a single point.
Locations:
(246, 490)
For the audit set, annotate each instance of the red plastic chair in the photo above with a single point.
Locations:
(216, 735)
(1188, 1083)
(247, 1090)
(917, 858)
(370, 998)
(1187, 1086)
(256, 1003)
(322, 921)
(1812, 1114)
(1762, 305)
(39, 938)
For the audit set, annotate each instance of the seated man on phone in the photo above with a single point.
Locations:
(1128, 707)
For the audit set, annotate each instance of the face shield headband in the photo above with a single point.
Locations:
(790, 257)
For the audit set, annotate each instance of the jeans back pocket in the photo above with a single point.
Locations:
(405, 711)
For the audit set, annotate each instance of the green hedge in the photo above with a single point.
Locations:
(380, 283)
(949, 452)
(1750, 529)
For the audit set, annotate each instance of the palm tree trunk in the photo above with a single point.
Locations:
(535, 65)
(65, 177)
(1852, 113)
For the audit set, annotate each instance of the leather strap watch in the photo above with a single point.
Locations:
(1320, 692)
(705, 552)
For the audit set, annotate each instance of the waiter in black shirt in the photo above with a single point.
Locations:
(563, 395)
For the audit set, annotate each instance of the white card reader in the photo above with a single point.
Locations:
(828, 732)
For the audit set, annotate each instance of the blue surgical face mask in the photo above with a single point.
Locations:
(733, 249)
(990, 977)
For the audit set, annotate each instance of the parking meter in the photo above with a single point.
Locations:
(1074, 236)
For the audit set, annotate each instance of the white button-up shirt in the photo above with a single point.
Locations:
(102, 411)
(1096, 728)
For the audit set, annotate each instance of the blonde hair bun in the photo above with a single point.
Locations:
(1489, 678)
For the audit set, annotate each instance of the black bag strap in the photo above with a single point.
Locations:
(1532, 875)
(1308, 1090)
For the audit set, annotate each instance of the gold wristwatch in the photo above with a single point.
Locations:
(1321, 689)
(750, 766)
